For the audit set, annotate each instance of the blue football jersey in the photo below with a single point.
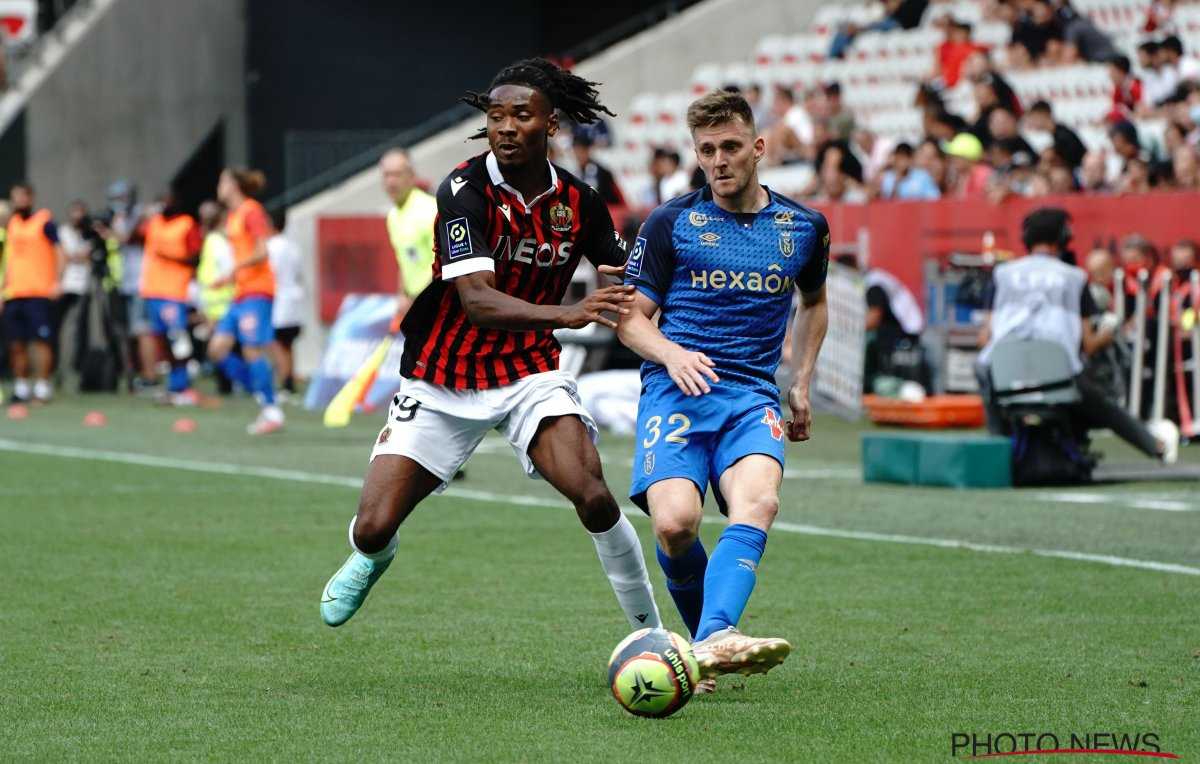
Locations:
(724, 281)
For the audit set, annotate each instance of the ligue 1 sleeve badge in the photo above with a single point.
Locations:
(561, 218)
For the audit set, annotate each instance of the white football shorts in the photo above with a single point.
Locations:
(440, 427)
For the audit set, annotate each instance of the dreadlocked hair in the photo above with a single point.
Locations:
(569, 93)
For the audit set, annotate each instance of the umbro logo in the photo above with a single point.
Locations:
(455, 185)
(749, 565)
(709, 238)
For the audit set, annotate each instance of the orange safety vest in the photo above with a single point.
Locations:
(31, 263)
(164, 276)
(258, 279)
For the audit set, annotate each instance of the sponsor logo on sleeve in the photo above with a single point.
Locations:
(456, 185)
(634, 266)
(458, 239)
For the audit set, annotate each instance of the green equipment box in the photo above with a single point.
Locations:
(954, 460)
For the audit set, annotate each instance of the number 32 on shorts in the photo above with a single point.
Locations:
(654, 428)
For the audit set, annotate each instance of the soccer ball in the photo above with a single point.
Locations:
(653, 673)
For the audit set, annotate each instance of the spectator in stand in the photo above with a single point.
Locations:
(968, 172)
(874, 151)
(978, 69)
(1062, 180)
(942, 126)
(1184, 169)
(1127, 89)
(595, 174)
(1124, 138)
(1083, 40)
(1158, 81)
(1037, 36)
(1067, 143)
(1093, 172)
(793, 133)
(929, 157)
(899, 14)
(1002, 126)
(1189, 68)
(839, 120)
(989, 96)
(1013, 170)
(905, 181)
(670, 180)
(1136, 178)
(839, 175)
(1170, 59)
(955, 50)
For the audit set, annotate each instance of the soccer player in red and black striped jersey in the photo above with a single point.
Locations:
(479, 349)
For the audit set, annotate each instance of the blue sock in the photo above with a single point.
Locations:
(730, 577)
(236, 371)
(178, 381)
(262, 381)
(685, 582)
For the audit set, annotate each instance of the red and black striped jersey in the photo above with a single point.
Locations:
(533, 248)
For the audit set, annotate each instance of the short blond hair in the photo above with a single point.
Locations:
(717, 108)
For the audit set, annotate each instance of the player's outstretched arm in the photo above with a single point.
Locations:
(808, 333)
(489, 308)
(637, 331)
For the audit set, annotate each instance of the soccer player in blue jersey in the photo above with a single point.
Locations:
(720, 265)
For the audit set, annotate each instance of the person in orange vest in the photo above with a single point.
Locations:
(33, 263)
(249, 318)
(172, 246)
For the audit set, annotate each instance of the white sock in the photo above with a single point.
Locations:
(387, 553)
(42, 390)
(623, 563)
(272, 413)
(21, 388)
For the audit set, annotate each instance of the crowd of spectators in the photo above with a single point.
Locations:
(999, 145)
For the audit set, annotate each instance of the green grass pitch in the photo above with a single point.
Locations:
(152, 612)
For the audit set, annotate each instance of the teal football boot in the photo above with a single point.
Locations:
(346, 591)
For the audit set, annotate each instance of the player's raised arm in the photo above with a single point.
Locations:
(649, 271)
(808, 333)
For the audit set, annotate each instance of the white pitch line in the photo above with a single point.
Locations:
(219, 468)
(1136, 501)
